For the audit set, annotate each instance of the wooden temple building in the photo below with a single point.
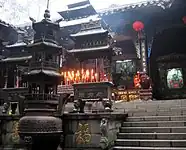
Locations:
(156, 17)
(164, 29)
(86, 33)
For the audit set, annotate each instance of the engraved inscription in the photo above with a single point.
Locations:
(15, 135)
(82, 134)
(92, 94)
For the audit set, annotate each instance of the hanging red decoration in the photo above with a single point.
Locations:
(184, 19)
(138, 26)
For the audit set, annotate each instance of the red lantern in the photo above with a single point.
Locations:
(184, 19)
(138, 26)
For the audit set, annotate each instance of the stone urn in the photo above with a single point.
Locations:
(40, 132)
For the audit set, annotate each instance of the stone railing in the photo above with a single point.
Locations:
(91, 130)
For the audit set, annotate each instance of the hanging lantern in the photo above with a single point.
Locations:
(184, 19)
(138, 26)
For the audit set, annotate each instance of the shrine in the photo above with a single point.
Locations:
(92, 83)
(89, 62)
(93, 49)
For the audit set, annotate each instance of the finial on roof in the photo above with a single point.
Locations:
(47, 4)
(47, 12)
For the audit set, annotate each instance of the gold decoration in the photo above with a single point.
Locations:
(15, 134)
(83, 135)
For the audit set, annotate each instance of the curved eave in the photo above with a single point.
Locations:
(15, 59)
(163, 4)
(89, 32)
(107, 47)
(16, 45)
(43, 43)
(44, 72)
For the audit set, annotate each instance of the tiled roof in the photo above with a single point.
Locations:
(159, 3)
(89, 32)
(6, 24)
(6, 36)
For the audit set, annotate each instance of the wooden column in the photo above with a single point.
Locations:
(6, 77)
(17, 77)
(143, 55)
(140, 45)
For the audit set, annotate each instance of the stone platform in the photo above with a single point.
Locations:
(91, 130)
(150, 125)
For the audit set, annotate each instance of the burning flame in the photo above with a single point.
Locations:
(77, 76)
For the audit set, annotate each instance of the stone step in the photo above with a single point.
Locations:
(156, 109)
(151, 104)
(157, 118)
(153, 129)
(155, 124)
(150, 143)
(160, 136)
(157, 113)
(147, 148)
(152, 109)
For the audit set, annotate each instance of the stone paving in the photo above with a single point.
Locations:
(140, 108)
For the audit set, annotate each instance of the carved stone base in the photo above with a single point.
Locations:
(46, 142)
(85, 131)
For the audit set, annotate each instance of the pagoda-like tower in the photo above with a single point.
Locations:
(75, 15)
(94, 43)
(39, 128)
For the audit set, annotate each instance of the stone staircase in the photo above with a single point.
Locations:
(153, 125)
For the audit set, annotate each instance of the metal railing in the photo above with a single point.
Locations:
(44, 65)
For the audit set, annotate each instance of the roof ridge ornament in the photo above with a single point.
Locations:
(47, 12)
